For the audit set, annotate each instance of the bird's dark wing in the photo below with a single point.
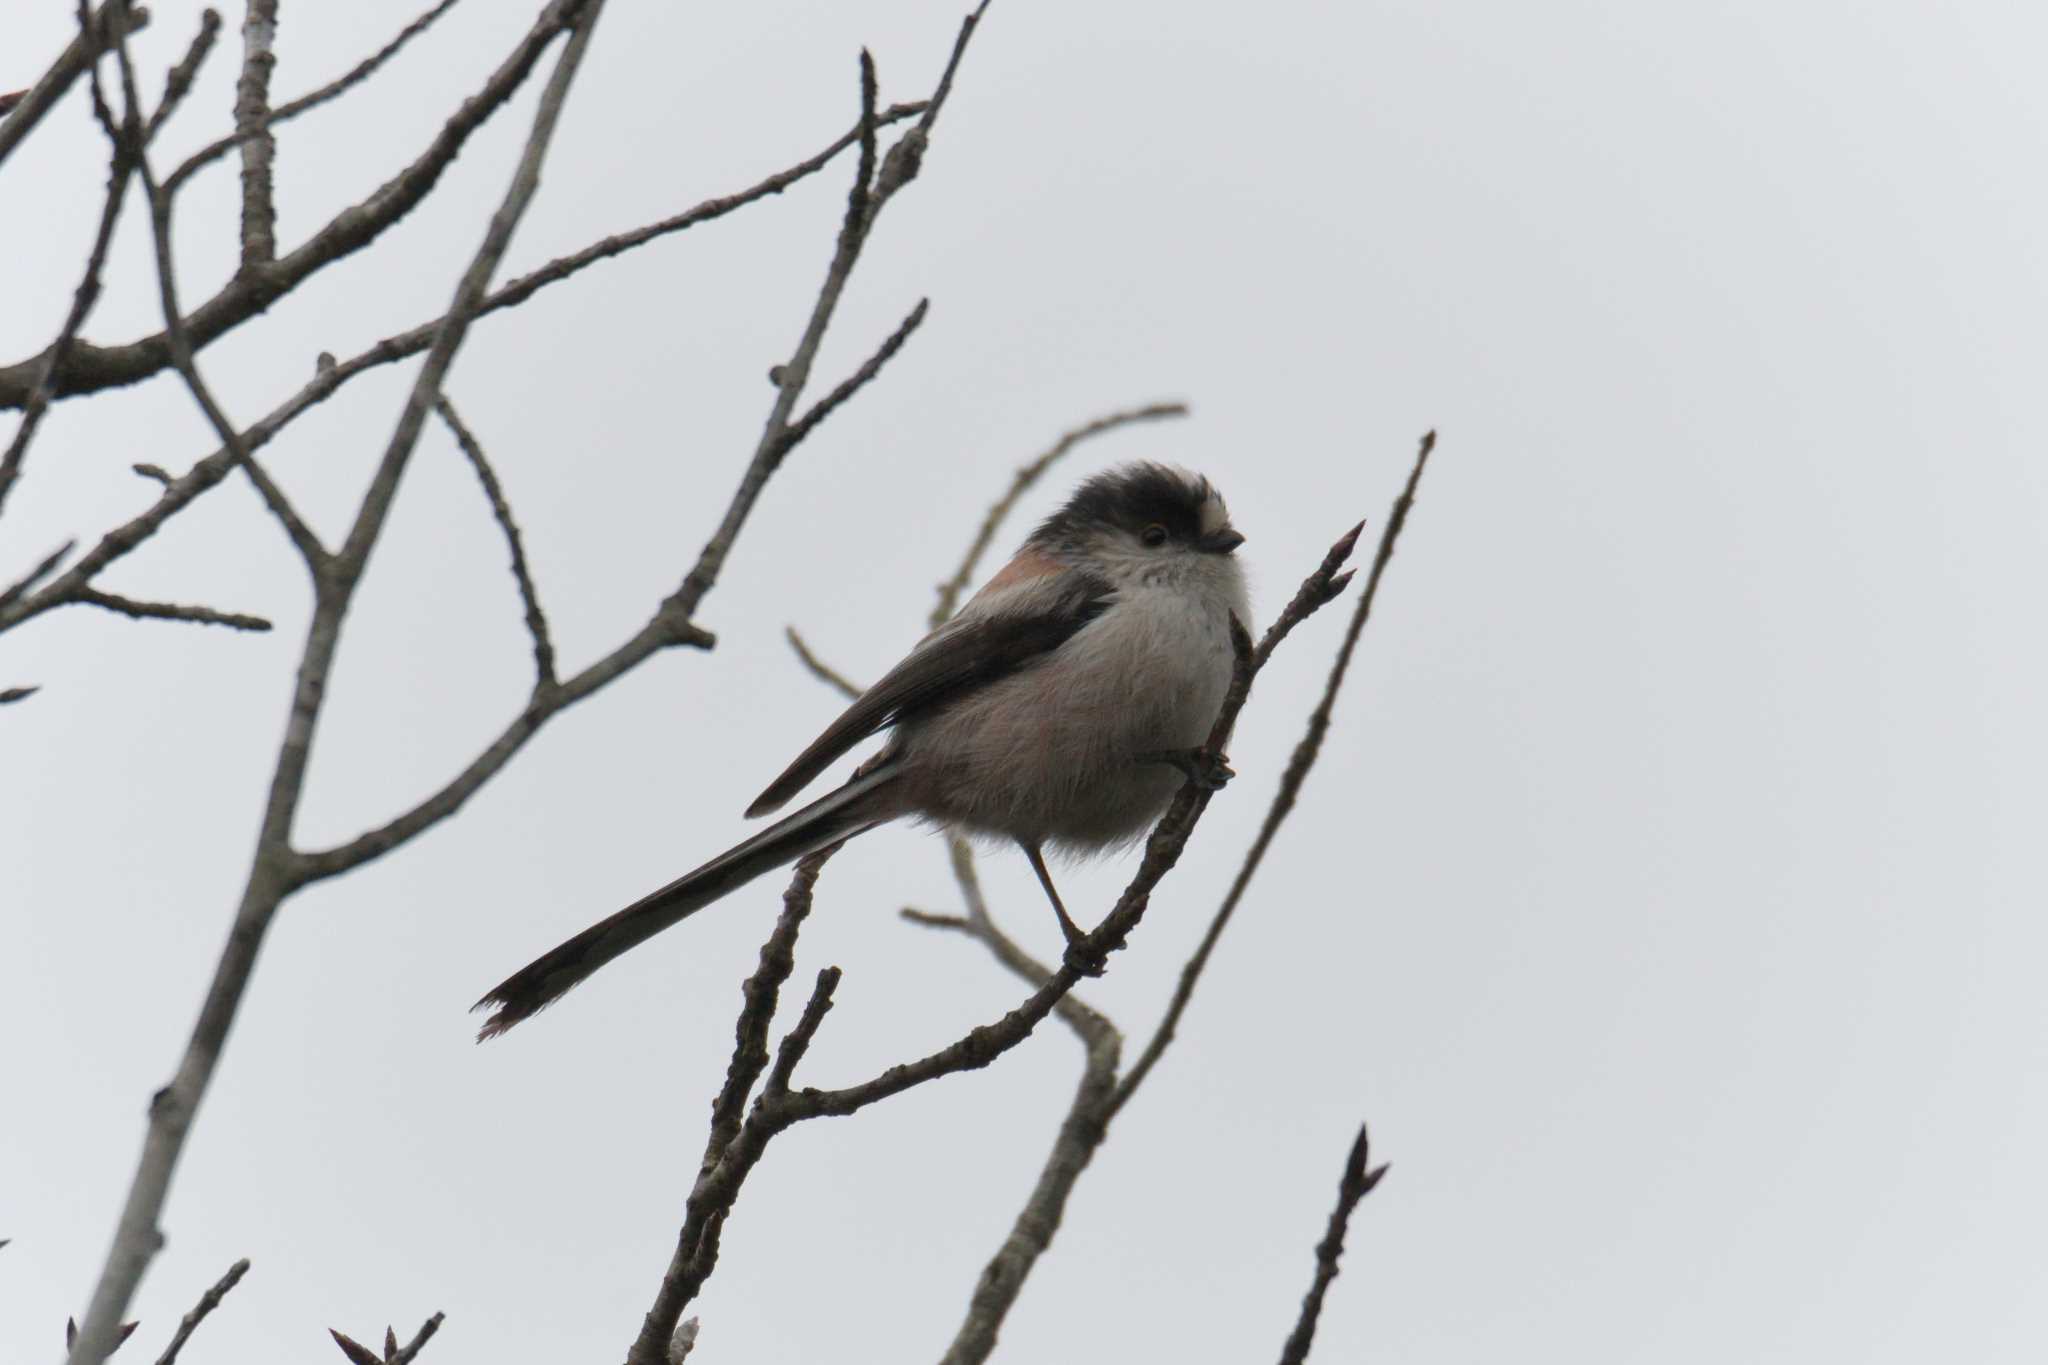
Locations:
(961, 657)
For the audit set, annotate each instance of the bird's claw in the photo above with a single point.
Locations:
(1200, 765)
(1084, 958)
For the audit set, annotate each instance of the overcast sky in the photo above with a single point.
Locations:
(1670, 895)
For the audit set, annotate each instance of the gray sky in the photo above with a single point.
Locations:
(1670, 895)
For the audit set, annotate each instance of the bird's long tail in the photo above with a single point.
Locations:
(859, 805)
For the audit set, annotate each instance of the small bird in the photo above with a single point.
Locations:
(1061, 708)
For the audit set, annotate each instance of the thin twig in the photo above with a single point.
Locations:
(1324, 588)
(183, 359)
(171, 611)
(657, 634)
(357, 1353)
(179, 83)
(274, 861)
(501, 512)
(1026, 476)
(1354, 1185)
(95, 37)
(120, 168)
(360, 1354)
(411, 1349)
(716, 1189)
(1298, 765)
(1038, 1221)
(758, 995)
(356, 75)
(90, 368)
(797, 1041)
(469, 293)
(696, 1251)
(9, 695)
(43, 569)
(854, 382)
(208, 1301)
(791, 376)
(821, 670)
(328, 378)
(1080, 1133)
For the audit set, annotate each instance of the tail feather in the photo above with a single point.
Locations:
(859, 805)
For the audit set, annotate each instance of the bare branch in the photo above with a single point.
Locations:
(1318, 588)
(411, 1349)
(40, 393)
(1032, 1231)
(329, 377)
(696, 1250)
(469, 292)
(90, 368)
(208, 1301)
(671, 623)
(798, 1040)
(759, 994)
(501, 512)
(945, 87)
(819, 668)
(20, 118)
(182, 358)
(179, 83)
(9, 695)
(1356, 1183)
(658, 634)
(929, 919)
(791, 376)
(360, 1354)
(1081, 1132)
(854, 382)
(270, 880)
(259, 148)
(355, 76)
(171, 611)
(1026, 476)
(42, 570)
(357, 1353)
(1298, 765)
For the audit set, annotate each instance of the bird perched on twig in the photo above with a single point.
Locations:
(1061, 708)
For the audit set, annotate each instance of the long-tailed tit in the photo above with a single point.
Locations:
(1062, 707)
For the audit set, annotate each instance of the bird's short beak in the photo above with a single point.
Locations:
(1221, 542)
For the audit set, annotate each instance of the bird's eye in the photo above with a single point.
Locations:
(1155, 534)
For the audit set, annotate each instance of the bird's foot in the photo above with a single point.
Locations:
(1084, 957)
(1081, 955)
(1200, 765)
